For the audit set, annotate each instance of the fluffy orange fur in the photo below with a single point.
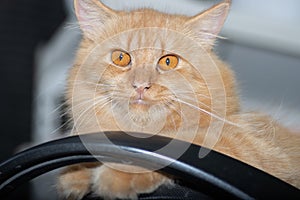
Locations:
(198, 96)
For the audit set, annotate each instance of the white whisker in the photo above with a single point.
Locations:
(92, 83)
(81, 104)
(60, 106)
(205, 111)
(72, 26)
(193, 93)
(104, 101)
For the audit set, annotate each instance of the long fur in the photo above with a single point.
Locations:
(199, 96)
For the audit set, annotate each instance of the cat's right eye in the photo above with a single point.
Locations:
(120, 58)
(168, 62)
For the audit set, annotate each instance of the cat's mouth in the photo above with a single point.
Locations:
(139, 102)
(140, 106)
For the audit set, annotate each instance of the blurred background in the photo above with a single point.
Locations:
(38, 42)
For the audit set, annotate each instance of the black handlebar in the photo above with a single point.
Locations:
(216, 175)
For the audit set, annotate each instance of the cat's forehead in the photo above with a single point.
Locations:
(148, 41)
(147, 31)
(151, 18)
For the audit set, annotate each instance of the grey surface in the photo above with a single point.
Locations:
(268, 80)
(264, 74)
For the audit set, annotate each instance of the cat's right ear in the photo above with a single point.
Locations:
(91, 16)
(208, 24)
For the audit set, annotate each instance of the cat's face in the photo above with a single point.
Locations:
(147, 71)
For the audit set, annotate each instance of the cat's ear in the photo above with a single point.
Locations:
(91, 15)
(209, 23)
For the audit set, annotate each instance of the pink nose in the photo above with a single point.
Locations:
(141, 89)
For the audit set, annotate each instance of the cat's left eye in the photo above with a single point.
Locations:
(120, 58)
(168, 62)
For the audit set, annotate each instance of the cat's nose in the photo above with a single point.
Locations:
(141, 89)
(141, 86)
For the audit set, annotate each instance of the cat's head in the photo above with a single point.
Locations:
(148, 71)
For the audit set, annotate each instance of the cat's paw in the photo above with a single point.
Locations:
(113, 184)
(74, 182)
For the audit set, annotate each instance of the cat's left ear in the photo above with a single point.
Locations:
(92, 15)
(209, 23)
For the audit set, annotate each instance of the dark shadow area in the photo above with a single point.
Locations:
(24, 24)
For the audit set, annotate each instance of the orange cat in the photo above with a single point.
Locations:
(156, 73)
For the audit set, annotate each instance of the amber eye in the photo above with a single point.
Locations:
(120, 58)
(168, 62)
